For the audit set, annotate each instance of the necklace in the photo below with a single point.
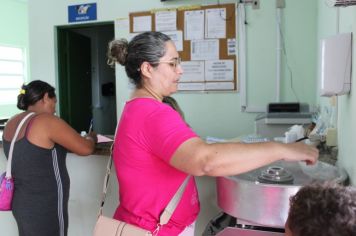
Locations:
(153, 94)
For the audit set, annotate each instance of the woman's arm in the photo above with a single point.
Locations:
(55, 130)
(196, 157)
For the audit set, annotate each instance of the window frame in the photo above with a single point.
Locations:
(12, 92)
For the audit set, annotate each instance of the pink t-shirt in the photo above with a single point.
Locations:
(148, 135)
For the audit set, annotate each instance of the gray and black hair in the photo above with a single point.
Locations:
(146, 47)
(326, 209)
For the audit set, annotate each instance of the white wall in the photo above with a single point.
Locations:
(331, 21)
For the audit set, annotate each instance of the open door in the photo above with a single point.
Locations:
(75, 96)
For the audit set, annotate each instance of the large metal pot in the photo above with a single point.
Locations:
(261, 197)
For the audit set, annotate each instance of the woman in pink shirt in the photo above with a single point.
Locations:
(155, 149)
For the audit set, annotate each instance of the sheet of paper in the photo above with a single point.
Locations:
(193, 71)
(204, 49)
(231, 47)
(219, 70)
(219, 86)
(122, 25)
(191, 86)
(103, 139)
(194, 24)
(142, 24)
(166, 20)
(177, 38)
(215, 23)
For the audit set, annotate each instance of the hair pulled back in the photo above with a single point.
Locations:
(33, 92)
(148, 46)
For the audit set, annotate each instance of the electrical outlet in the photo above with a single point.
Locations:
(256, 4)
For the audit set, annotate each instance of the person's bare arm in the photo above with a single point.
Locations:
(196, 157)
(52, 130)
(66, 136)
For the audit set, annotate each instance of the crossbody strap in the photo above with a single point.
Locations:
(167, 212)
(9, 160)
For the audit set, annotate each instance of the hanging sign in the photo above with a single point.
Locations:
(83, 12)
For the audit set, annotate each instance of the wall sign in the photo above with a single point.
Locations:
(83, 12)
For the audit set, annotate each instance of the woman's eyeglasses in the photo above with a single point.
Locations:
(173, 63)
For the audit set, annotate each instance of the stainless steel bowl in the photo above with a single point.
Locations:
(261, 196)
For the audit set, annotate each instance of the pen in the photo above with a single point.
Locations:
(90, 126)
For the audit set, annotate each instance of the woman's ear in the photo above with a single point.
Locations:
(146, 69)
(45, 97)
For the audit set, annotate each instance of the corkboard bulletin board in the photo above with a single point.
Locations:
(185, 54)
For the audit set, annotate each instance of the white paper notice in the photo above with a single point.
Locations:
(219, 70)
(166, 20)
(193, 71)
(231, 47)
(204, 49)
(191, 86)
(194, 25)
(177, 38)
(215, 23)
(142, 24)
(219, 86)
(123, 25)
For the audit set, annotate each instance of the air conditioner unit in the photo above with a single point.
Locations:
(342, 3)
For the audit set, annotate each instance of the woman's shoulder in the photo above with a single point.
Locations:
(142, 100)
(45, 120)
(13, 123)
(144, 105)
(15, 119)
(44, 116)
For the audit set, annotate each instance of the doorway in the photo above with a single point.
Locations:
(86, 85)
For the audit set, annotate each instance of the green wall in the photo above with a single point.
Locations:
(13, 32)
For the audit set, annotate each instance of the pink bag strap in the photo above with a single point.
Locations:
(8, 166)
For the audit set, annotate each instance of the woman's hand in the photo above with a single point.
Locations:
(300, 152)
(92, 136)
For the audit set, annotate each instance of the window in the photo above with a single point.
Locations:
(12, 73)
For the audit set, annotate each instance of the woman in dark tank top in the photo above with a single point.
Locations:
(40, 202)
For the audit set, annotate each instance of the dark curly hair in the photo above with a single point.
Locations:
(325, 209)
(33, 92)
